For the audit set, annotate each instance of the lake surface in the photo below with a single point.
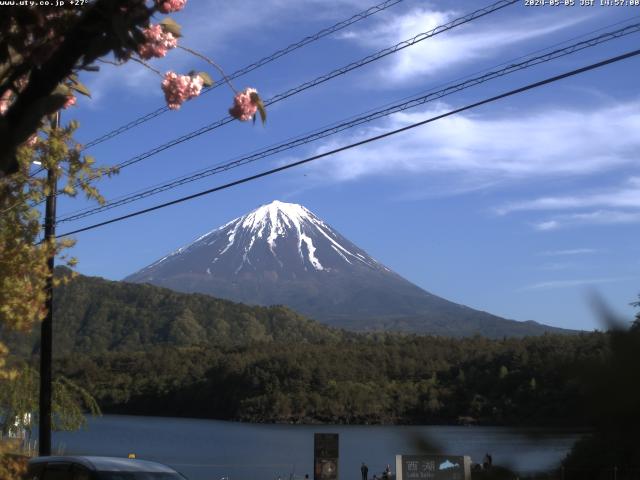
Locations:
(211, 450)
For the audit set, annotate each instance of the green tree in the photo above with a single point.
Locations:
(19, 402)
(636, 322)
(23, 262)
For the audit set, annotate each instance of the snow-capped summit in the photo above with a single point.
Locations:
(281, 237)
(281, 253)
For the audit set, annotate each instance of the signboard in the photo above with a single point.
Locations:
(433, 467)
(325, 456)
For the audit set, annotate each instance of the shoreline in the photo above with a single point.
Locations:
(547, 428)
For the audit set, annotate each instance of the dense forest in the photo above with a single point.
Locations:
(374, 379)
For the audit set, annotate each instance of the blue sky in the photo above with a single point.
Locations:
(520, 208)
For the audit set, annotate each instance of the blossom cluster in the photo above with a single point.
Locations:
(180, 88)
(168, 6)
(5, 101)
(71, 101)
(244, 107)
(158, 42)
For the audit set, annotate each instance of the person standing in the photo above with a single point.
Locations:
(364, 470)
(486, 462)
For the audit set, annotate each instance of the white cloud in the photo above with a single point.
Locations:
(214, 25)
(613, 206)
(598, 217)
(476, 40)
(552, 284)
(548, 225)
(571, 251)
(555, 266)
(132, 76)
(626, 197)
(549, 143)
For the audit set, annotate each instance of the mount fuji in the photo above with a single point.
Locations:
(281, 253)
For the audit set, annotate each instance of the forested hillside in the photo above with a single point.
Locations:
(94, 315)
(374, 379)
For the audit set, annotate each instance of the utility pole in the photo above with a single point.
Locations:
(46, 329)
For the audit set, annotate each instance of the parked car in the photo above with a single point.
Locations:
(98, 468)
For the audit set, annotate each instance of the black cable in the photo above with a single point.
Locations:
(317, 81)
(354, 121)
(35, 174)
(249, 68)
(530, 86)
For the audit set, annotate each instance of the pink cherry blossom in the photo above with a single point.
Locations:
(180, 88)
(244, 108)
(5, 101)
(168, 6)
(158, 42)
(71, 101)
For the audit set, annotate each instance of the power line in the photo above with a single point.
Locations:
(249, 68)
(355, 121)
(530, 86)
(324, 78)
(38, 171)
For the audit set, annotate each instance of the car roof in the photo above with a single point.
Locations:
(107, 464)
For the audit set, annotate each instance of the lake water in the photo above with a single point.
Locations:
(210, 449)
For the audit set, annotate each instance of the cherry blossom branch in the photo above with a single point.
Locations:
(117, 64)
(145, 64)
(212, 63)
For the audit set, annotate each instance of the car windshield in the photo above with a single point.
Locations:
(139, 476)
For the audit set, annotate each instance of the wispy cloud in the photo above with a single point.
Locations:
(571, 251)
(131, 76)
(215, 26)
(465, 44)
(553, 284)
(554, 267)
(506, 147)
(610, 206)
(598, 217)
(627, 196)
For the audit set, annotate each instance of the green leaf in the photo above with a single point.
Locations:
(255, 98)
(69, 190)
(5, 69)
(14, 57)
(62, 89)
(170, 25)
(80, 88)
(206, 79)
